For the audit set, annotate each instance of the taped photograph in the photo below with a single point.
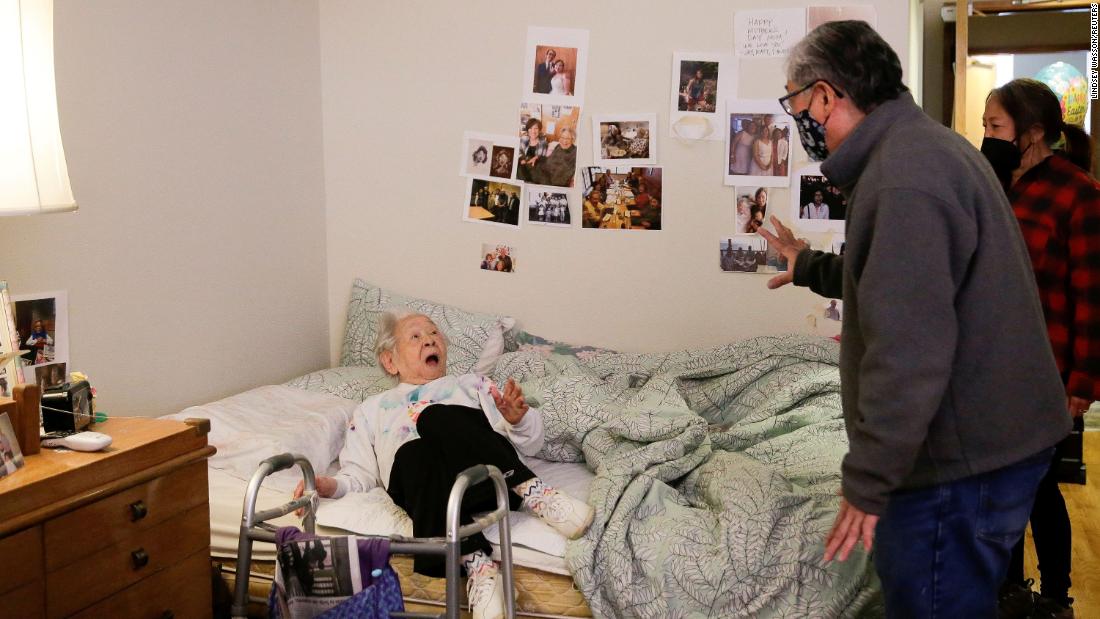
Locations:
(817, 205)
(622, 198)
(743, 253)
(547, 144)
(498, 257)
(758, 144)
(701, 83)
(548, 206)
(488, 154)
(624, 139)
(492, 201)
(556, 66)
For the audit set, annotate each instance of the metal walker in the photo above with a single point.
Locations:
(254, 527)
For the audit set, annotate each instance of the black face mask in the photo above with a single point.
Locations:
(1003, 156)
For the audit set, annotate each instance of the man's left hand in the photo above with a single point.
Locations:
(511, 404)
(852, 524)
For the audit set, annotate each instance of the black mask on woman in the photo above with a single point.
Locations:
(1003, 156)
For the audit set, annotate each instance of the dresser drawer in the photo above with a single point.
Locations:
(181, 592)
(78, 585)
(116, 518)
(26, 602)
(21, 554)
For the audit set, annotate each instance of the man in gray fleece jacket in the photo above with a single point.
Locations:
(952, 400)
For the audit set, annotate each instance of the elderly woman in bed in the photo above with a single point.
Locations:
(415, 439)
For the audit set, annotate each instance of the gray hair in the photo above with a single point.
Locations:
(851, 57)
(568, 129)
(387, 329)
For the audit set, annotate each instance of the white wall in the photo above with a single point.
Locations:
(195, 265)
(402, 81)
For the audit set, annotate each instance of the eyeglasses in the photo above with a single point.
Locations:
(785, 101)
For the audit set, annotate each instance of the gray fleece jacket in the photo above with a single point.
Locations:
(946, 369)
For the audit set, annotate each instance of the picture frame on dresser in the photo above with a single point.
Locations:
(11, 458)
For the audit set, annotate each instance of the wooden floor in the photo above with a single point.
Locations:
(1083, 503)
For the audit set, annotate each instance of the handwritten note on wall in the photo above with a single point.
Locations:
(760, 34)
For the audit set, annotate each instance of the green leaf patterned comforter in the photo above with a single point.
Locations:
(716, 477)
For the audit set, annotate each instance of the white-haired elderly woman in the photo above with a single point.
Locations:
(414, 440)
(559, 166)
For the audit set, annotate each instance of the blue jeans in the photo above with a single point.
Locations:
(943, 551)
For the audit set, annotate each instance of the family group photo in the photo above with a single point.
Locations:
(746, 254)
(497, 258)
(622, 198)
(494, 202)
(547, 207)
(759, 145)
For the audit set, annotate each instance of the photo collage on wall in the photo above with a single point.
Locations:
(532, 173)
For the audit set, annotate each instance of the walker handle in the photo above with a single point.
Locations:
(280, 462)
(477, 474)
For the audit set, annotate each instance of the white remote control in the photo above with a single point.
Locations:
(81, 441)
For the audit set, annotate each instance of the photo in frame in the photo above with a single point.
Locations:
(11, 457)
(42, 321)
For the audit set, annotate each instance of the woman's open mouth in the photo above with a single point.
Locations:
(432, 360)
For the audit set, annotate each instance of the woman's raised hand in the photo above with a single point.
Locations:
(511, 404)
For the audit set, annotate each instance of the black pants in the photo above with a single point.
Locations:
(452, 439)
(1053, 539)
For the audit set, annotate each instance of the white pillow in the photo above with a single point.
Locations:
(365, 513)
(257, 424)
(473, 337)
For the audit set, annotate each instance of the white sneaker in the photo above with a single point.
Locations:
(485, 593)
(567, 515)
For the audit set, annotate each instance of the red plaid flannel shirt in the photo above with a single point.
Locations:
(1058, 207)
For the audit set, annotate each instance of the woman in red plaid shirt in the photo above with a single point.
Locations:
(1057, 203)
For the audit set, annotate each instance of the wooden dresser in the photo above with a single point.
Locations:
(119, 533)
